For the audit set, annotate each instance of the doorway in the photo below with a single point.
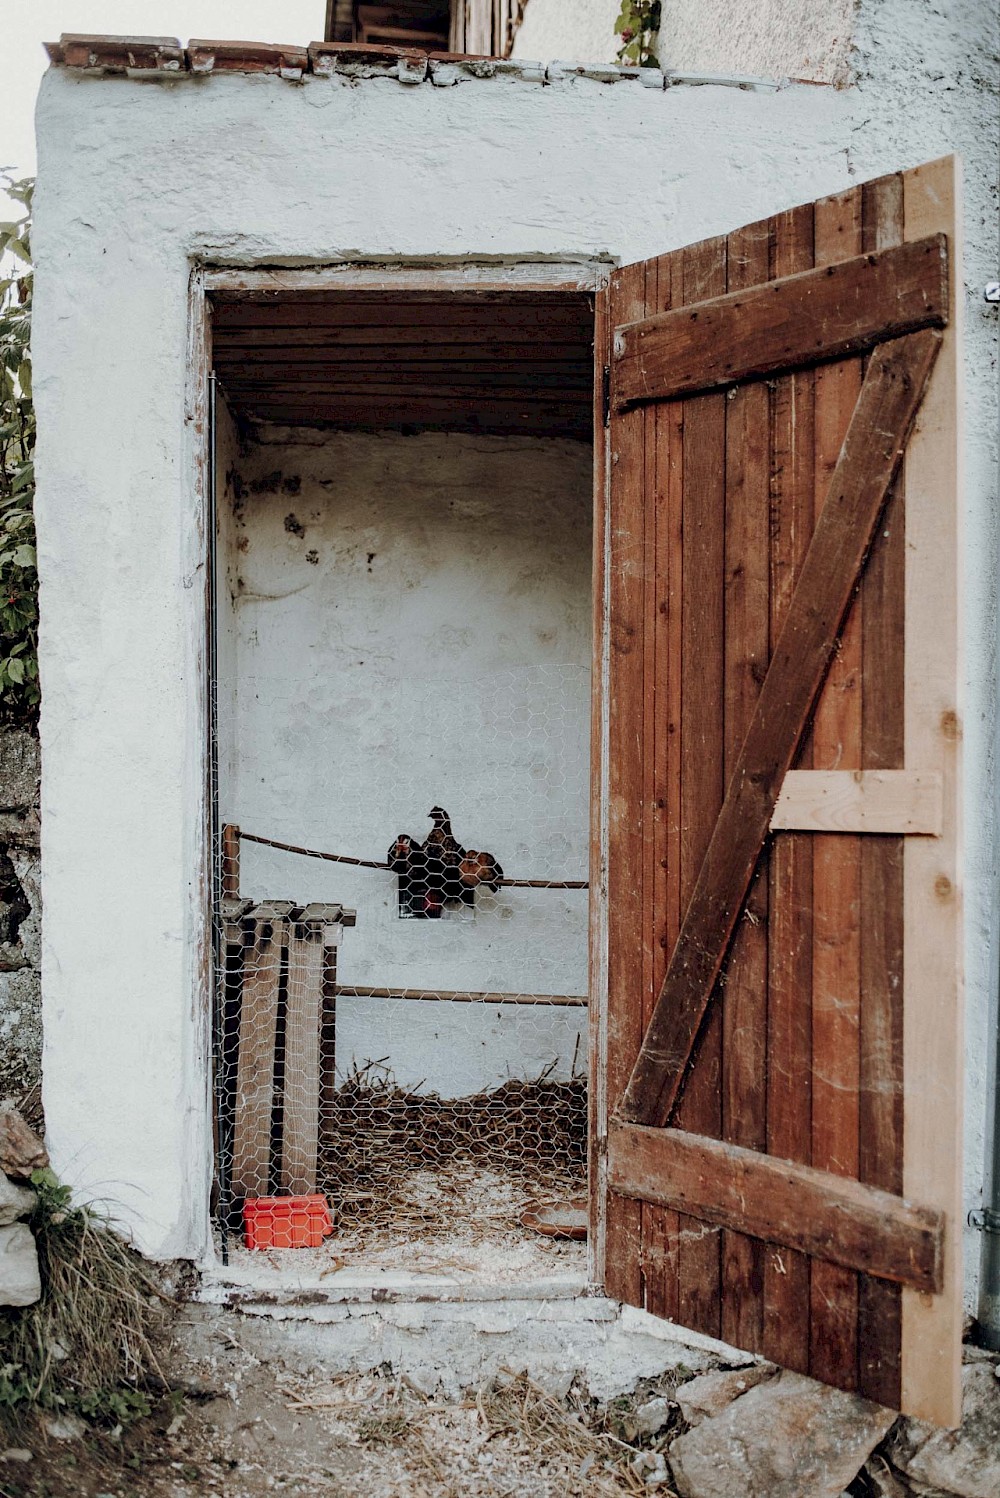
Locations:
(403, 470)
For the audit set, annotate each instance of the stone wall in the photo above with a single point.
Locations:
(20, 916)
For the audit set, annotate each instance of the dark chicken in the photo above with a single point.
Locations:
(439, 870)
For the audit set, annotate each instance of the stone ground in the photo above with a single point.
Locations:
(251, 1418)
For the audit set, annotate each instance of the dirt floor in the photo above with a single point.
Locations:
(244, 1428)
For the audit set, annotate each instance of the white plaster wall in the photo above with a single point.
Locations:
(576, 30)
(136, 180)
(421, 636)
(807, 39)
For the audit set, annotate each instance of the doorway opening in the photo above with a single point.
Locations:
(403, 475)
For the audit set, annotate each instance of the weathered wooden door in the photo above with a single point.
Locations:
(777, 1121)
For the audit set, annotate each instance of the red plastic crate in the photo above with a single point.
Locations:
(286, 1221)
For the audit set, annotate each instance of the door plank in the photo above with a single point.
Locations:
(833, 1218)
(747, 600)
(703, 269)
(627, 616)
(836, 980)
(933, 1038)
(886, 408)
(300, 1117)
(880, 1100)
(870, 801)
(789, 979)
(664, 432)
(262, 974)
(820, 314)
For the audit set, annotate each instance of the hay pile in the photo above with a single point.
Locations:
(380, 1136)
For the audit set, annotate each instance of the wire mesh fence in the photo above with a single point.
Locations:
(402, 680)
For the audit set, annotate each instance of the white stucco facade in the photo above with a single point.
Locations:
(805, 39)
(139, 181)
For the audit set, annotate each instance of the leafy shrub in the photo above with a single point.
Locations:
(638, 25)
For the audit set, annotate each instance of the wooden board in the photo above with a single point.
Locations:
(263, 969)
(933, 1036)
(822, 314)
(870, 801)
(879, 427)
(840, 1221)
(462, 359)
(300, 1116)
(820, 1061)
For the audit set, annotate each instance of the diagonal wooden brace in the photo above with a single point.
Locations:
(890, 396)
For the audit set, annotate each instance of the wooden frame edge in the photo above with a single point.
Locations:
(933, 1031)
(598, 913)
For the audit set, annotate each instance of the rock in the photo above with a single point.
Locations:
(651, 1469)
(786, 1438)
(66, 1428)
(16, 1454)
(20, 1283)
(650, 1418)
(709, 1394)
(21, 1150)
(15, 1201)
(964, 1461)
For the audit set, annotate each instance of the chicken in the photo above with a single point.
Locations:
(439, 870)
(442, 855)
(441, 840)
(477, 868)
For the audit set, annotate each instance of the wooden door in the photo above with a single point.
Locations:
(777, 1104)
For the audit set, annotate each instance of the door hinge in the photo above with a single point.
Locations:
(606, 395)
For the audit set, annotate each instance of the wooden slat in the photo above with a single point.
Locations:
(263, 963)
(627, 623)
(744, 992)
(933, 1039)
(494, 382)
(869, 801)
(300, 1115)
(891, 394)
(702, 751)
(880, 1099)
(789, 978)
(597, 915)
(421, 389)
(836, 978)
(574, 320)
(663, 457)
(835, 1219)
(461, 996)
(820, 314)
(230, 862)
(404, 338)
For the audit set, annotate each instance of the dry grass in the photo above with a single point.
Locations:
(514, 1402)
(385, 1135)
(87, 1346)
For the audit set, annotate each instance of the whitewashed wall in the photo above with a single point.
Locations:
(139, 180)
(806, 39)
(413, 628)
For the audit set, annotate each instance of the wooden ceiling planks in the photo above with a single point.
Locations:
(490, 362)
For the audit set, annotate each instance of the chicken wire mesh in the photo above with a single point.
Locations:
(402, 725)
(352, 1060)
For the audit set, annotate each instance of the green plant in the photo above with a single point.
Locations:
(19, 694)
(638, 25)
(87, 1346)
